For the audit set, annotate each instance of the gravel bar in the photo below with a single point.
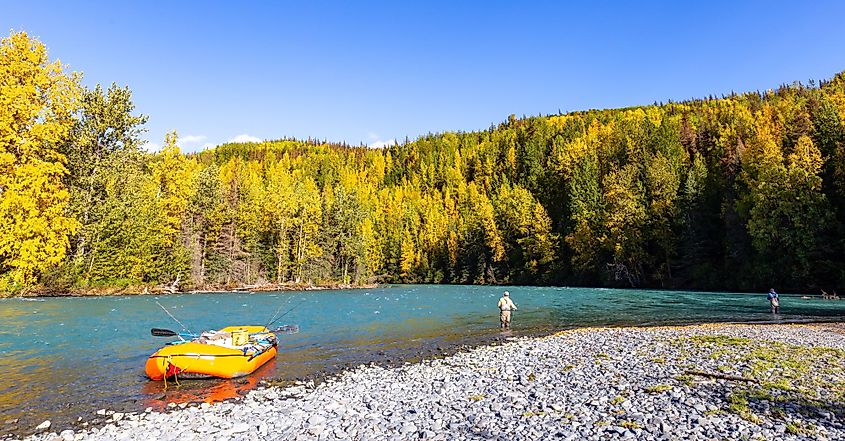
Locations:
(672, 383)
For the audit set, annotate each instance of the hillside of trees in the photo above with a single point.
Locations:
(739, 192)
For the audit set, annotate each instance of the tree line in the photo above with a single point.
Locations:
(738, 192)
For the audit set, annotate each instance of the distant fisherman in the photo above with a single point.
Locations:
(506, 305)
(774, 300)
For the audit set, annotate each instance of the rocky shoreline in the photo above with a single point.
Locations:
(692, 383)
(164, 290)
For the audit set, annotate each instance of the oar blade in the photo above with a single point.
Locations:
(158, 332)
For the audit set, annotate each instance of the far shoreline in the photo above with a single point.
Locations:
(133, 290)
(145, 290)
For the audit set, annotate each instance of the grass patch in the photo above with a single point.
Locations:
(738, 404)
(476, 397)
(685, 379)
(660, 388)
(631, 425)
(810, 378)
(800, 428)
(619, 399)
(720, 340)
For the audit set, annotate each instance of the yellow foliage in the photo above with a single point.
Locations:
(372, 244)
(766, 148)
(37, 100)
(806, 159)
(306, 220)
(407, 260)
(172, 182)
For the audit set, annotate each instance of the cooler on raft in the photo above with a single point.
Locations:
(231, 352)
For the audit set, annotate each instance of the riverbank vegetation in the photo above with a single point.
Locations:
(735, 192)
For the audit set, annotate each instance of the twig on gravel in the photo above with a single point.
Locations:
(721, 376)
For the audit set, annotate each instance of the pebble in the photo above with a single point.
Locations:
(316, 420)
(584, 384)
(239, 428)
(43, 426)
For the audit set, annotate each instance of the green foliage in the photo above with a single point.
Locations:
(102, 150)
(741, 192)
(530, 243)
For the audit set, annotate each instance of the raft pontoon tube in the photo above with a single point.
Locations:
(231, 352)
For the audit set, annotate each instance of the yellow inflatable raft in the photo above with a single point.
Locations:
(231, 352)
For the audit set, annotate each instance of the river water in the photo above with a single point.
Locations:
(66, 357)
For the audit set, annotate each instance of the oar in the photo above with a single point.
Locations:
(158, 332)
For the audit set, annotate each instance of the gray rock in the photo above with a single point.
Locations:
(408, 428)
(316, 420)
(43, 427)
(240, 428)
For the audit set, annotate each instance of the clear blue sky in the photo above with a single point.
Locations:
(376, 71)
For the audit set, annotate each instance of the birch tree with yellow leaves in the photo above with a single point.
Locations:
(37, 103)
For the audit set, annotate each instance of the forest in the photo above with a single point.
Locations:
(738, 192)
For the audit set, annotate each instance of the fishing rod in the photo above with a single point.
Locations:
(174, 318)
(286, 312)
(278, 310)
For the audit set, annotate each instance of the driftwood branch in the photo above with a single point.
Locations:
(173, 287)
(721, 376)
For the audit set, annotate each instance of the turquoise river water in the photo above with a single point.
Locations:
(65, 357)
